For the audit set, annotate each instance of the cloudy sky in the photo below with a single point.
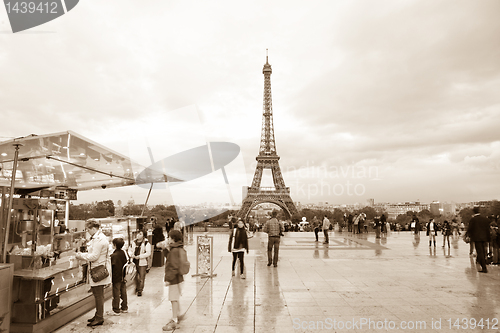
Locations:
(392, 100)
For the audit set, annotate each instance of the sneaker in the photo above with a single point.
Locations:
(232, 274)
(124, 311)
(113, 313)
(268, 264)
(139, 293)
(172, 325)
(242, 276)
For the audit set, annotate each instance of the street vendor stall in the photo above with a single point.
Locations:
(39, 175)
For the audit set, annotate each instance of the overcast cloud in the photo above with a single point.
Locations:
(409, 89)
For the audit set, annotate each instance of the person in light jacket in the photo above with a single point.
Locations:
(140, 251)
(98, 254)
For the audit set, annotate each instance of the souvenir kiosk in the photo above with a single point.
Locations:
(39, 175)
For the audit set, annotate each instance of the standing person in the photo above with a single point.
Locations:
(415, 220)
(274, 229)
(326, 227)
(98, 249)
(179, 225)
(140, 251)
(238, 243)
(173, 279)
(355, 229)
(315, 225)
(479, 233)
(447, 232)
(118, 260)
(168, 225)
(158, 235)
(349, 222)
(383, 221)
(432, 230)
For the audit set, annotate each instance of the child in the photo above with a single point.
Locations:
(238, 238)
(118, 260)
(173, 278)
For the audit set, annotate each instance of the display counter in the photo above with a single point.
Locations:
(6, 272)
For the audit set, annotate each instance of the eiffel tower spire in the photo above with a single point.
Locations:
(267, 143)
(267, 159)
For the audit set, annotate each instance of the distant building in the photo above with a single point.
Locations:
(371, 202)
(393, 210)
(435, 208)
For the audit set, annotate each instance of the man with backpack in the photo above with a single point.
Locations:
(176, 266)
(140, 252)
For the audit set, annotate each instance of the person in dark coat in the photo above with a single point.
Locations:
(447, 232)
(238, 244)
(479, 233)
(158, 235)
(118, 260)
(173, 278)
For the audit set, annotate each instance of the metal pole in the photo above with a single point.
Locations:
(11, 196)
(2, 209)
(147, 199)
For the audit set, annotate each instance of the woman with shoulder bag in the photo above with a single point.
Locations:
(99, 263)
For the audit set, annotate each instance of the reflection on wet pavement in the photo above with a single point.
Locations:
(354, 279)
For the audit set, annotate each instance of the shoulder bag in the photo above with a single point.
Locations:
(100, 272)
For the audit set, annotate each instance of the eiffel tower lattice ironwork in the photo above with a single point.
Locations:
(267, 159)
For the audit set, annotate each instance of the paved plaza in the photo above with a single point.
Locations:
(357, 283)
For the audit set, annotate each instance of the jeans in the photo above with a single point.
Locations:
(325, 231)
(274, 241)
(119, 291)
(239, 255)
(139, 278)
(98, 292)
(316, 231)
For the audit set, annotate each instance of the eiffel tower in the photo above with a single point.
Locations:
(267, 159)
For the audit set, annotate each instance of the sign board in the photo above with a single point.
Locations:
(204, 256)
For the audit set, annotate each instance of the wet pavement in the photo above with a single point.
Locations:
(356, 283)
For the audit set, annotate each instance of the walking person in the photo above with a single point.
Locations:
(173, 278)
(432, 230)
(479, 233)
(447, 232)
(315, 225)
(238, 244)
(140, 251)
(98, 248)
(326, 227)
(274, 230)
(118, 260)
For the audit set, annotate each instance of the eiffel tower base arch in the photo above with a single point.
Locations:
(282, 200)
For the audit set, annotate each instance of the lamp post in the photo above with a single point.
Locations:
(11, 195)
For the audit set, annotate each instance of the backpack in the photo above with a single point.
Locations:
(185, 265)
(129, 270)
